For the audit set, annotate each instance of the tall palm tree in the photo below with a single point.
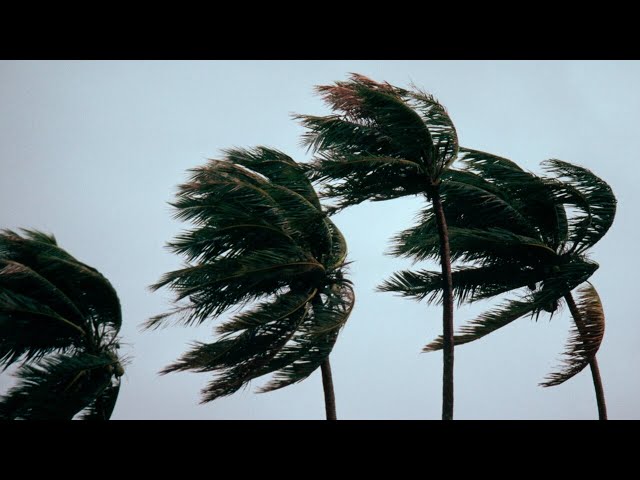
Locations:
(385, 142)
(60, 318)
(260, 234)
(514, 226)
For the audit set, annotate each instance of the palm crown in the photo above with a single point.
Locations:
(61, 318)
(383, 142)
(261, 238)
(515, 227)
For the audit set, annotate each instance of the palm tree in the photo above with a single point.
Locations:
(60, 318)
(385, 142)
(514, 226)
(260, 234)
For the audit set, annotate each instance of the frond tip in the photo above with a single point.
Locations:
(585, 338)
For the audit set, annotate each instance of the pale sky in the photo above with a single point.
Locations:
(92, 151)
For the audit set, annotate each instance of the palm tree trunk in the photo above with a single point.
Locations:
(329, 395)
(595, 371)
(447, 306)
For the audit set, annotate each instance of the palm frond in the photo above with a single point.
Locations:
(469, 283)
(277, 167)
(355, 179)
(536, 199)
(588, 193)
(102, 407)
(470, 244)
(29, 329)
(83, 286)
(567, 277)
(439, 124)
(315, 338)
(337, 256)
(58, 387)
(213, 288)
(470, 201)
(239, 359)
(585, 338)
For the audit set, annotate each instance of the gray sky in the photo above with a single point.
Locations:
(93, 151)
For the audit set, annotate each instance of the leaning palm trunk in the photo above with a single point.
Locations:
(447, 307)
(329, 395)
(595, 371)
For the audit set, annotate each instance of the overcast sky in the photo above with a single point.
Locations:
(93, 151)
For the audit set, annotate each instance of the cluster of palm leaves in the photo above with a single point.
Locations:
(59, 321)
(511, 230)
(264, 255)
(261, 241)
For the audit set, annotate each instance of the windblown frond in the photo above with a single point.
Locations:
(586, 336)
(470, 244)
(582, 189)
(384, 142)
(102, 407)
(57, 387)
(315, 340)
(61, 318)
(261, 242)
(533, 195)
(567, 277)
(469, 283)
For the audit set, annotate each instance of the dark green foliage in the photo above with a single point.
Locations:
(262, 242)
(60, 318)
(585, 338)
(514, 227)
(384, 142)
(59, 386)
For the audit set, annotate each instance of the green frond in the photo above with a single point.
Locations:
(439, 124)
(567, 277)
(56, 315)
(354, 180)
(221, 196)
(29, 330)
(57, 388)
(337, 256)
(315, 338)
(213, 288)
(39, 236)
(585, 338)
(534, 195)
(239, 359)
(470, 244)
(276, 166)
(102, 407)
(595, 199)
(472, 202)
(469, 283)
(282, 307)
(18, 279)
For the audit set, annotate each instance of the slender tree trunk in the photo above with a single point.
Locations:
(447, 307)
(595, 371)
(329, 395)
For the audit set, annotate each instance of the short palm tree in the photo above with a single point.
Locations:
(260, 234)
(59, 319)
(385, 142)
(514, 226)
